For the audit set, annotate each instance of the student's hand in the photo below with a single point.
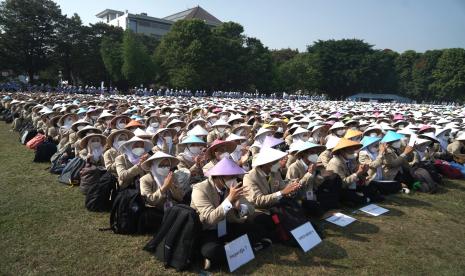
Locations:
(199, 160)
(168, 182)
(382, 148)
(143, 158)
(235, 193)
(311, 168)
(290, 188)
(362, 168)
(408, 150)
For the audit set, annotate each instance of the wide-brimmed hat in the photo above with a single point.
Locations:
(346, 144)
(391, 136)
(116, 132)
(271, 141)
(83, 132)
(351, 133)
(147, 144)
(332, 142)
(310, 146)
(198, 131)
(230, 146)
(225, 167)
(234, 137)
(267, 156)
(367, 141)
(85, 140)
(160, 131)
(61, 120)
(142, 134)
(159, 155)
(125, 118)
(133, 123)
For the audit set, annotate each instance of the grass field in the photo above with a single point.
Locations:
(45, 229)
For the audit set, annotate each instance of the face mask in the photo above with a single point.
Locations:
(239, 132)
(224, 117)
(396, 144)
(401, 127)
(340, 132)
(313, 158)
(163, 171)
(275, 167)
(373, 149)
(280, 129)
(154, 125)
(138, 151)
(350, 156)
(305, 138)
(221, 129)
(68, 123)
(230, 183)
(80, 127)
(120, 125)
(95, 145)
(373, 134)
(94, 117)
(195, 150)
(353, 128)
(168, 139)
(178, 128)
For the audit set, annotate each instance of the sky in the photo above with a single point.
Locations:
(398, 25)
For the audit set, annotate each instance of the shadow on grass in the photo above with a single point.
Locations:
(451, 184)
(353, 231)
(399, 200)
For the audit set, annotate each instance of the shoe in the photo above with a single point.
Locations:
(405, 190)
(207, 264)
(262, 244)
(266, 242)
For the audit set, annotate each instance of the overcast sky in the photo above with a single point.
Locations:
(394, 24)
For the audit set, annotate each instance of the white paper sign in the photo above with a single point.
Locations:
(221, 228)
(238, 252)
(374, 210)
(340, 219)
(306, 236)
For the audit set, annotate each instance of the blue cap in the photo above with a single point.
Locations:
(391, 136)
(367, 141)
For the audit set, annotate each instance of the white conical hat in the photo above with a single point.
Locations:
(300, 130)
(268, 156)
(197, 131)
(461, 137)
(220, 122)
(332, 142)
(142, 133)
(337, 125)
(234, 137)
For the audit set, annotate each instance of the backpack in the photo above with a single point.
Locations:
(45, 151)
(99, 197)
(450, 170)
(89, 176)
(125, 212)
(176, 243)
(70, 173)
(36, 141)
(287, 216)
(60, 159)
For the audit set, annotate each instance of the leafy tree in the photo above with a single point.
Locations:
(137, 66)
(29, 34)
(404, 67)
(422, 75)
(449, 75)
(111, 52)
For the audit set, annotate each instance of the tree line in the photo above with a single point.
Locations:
(37, 39)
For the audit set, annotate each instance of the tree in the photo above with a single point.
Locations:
(449, 75)
(404, 67)
(111, 52)
(422, 75)
(282, 55)
(258, 65)
(29, 34)
(137, 66)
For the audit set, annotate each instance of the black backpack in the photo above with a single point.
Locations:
(70, 174)
(27, 135)
(126, 210)
(176, 243)
(99, 197)
(45, 151)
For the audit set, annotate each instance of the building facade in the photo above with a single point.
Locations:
(153, 26)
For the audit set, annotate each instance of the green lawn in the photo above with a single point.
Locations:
(45, 229)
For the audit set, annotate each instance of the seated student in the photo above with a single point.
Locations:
(327, 154)
(81, 134)
(457, 149)
(422, 168)
(159, 188)
(165, 140)
(217, 151)
(92, 149)
(219, 131)
(395, 166)
(53, 129)
(129, 162)
(114, 141)
(372, 155)
(192, 157)
(220, 203)
(65, 123)
(344, 163)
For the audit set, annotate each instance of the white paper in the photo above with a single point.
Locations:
(310, 195)
(238, 252)
(306, 236)
(374, 210)
(221, 228)
(341, 219)
(413, 139)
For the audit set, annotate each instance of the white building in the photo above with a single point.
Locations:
(157, 27)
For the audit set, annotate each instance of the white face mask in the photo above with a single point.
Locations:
(275, 167)
(239, 132)
(95, 145)
(138, 151)
(67, 124)
(396, 144)
(168, 139)
(313, 158)
(80, 127)
(373, 134)
(280, 129)
(163, 171)
(120, 125)
(373, 148)
(340, 132)
(154, 125)
(195, 150)
(401, 127)
(350, 156)
(230, 183)
(178, 128)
